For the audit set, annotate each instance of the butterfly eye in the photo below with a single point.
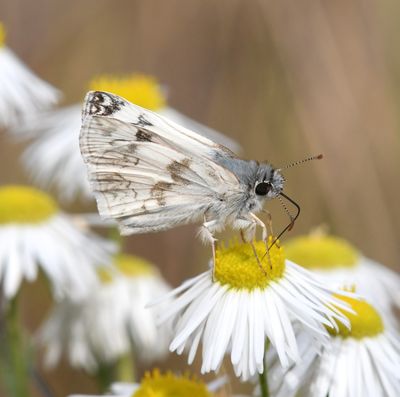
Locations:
(263, 188)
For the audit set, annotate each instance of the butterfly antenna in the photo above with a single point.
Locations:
(292, 218)
(286, 210)
(318, 157)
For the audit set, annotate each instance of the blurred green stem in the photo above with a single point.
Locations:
(114, 235)
(16, 360)
(105, 376)
(126, 369)
(263, 378)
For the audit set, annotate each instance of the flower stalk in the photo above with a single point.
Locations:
(263, 377)
(105, 375)
(16, 357)
(126, 371)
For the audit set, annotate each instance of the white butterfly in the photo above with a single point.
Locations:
(150, 174)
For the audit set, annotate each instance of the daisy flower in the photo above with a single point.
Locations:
(243, 305)
(341, 264)
(35, 234)
(21, 92)
(103, 327)
(155, 384)
(54, 158)
(361, 361)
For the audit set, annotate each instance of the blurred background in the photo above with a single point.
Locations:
(285, 79)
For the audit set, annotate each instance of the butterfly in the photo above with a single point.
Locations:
(151, 174)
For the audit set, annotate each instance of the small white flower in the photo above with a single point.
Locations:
(363, 361)
(340, 264)
(103, 327)
(21, 92)
(155, 384)
(35, 234)
(54, 158)
(244, 305)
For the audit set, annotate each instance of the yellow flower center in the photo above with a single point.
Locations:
(169, 385)
(25, 205)
(129, 266)
(2, 35)
(137, 88)
(237, 266)
(366, 322)
(321, 252)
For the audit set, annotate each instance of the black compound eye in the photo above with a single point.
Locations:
(263, 188)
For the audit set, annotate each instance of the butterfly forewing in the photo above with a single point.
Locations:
(147, 172)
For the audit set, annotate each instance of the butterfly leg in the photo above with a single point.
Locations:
(260, 223)
(248, 230)
(257, 258)
(269, 222)
(207, 236)
(264, 233)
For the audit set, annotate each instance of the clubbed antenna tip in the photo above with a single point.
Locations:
(318, 157)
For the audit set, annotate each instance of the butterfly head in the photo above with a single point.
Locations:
(269, 182)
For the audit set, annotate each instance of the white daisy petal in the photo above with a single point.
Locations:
(258, 330)
(21, 92)
(187, 284)
(195, 343)
(205, 305)
(123, 388)
(287, 328)
(14, 272)
(183, 300)
(223, 329)
(239, 331)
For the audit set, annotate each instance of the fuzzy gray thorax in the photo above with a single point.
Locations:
(259, 181)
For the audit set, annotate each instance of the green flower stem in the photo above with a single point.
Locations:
(263, 378)
(16, 360)
(115, 236)
(264, 383)
(105, 376)
(126, 369)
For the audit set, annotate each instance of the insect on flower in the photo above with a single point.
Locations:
(150, 174)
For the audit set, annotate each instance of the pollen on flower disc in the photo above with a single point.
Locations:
(321, 252)
(127, 265)
(25, 205)
(2, 35)
(238, 268)
(139, 89)
(366, 322)
(156, 384)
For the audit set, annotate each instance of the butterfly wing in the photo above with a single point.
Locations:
(201, 129)
(147, 172)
